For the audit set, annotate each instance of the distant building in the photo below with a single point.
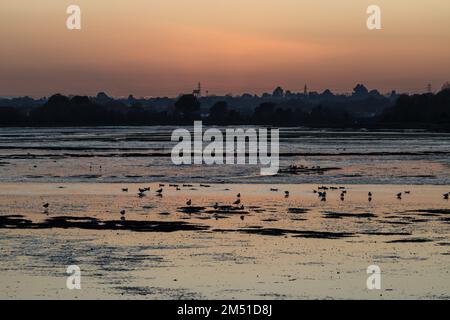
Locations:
(198, 92)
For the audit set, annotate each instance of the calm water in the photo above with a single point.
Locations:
(138, 154)
(272, 248)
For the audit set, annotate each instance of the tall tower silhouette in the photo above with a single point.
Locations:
(305, 90)
(198, 92)
(429, 88)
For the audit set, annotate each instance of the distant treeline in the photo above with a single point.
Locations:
(361, 109)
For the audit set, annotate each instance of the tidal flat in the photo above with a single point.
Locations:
(268, 246)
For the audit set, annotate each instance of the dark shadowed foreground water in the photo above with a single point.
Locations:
(142, 154)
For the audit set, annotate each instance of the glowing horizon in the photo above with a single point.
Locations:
(163, 48)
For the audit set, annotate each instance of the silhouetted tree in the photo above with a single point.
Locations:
(218, 113)
(446, 86)
(10, 116)
(420, 109)
(278, 92)
(264, 112)
(360, 91)
(188, 107)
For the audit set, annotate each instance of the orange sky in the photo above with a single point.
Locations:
(164, 47)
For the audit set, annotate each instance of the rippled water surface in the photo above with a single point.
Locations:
(130, 154)
(269, 245)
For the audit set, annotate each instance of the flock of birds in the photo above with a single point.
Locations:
(321, 192)
(159, 193)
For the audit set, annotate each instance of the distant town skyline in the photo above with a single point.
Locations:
(203, 92)
(164, 48)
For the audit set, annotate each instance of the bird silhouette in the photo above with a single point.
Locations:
(238, 201)
(189, 202)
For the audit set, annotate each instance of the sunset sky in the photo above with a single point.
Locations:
(164, 47)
